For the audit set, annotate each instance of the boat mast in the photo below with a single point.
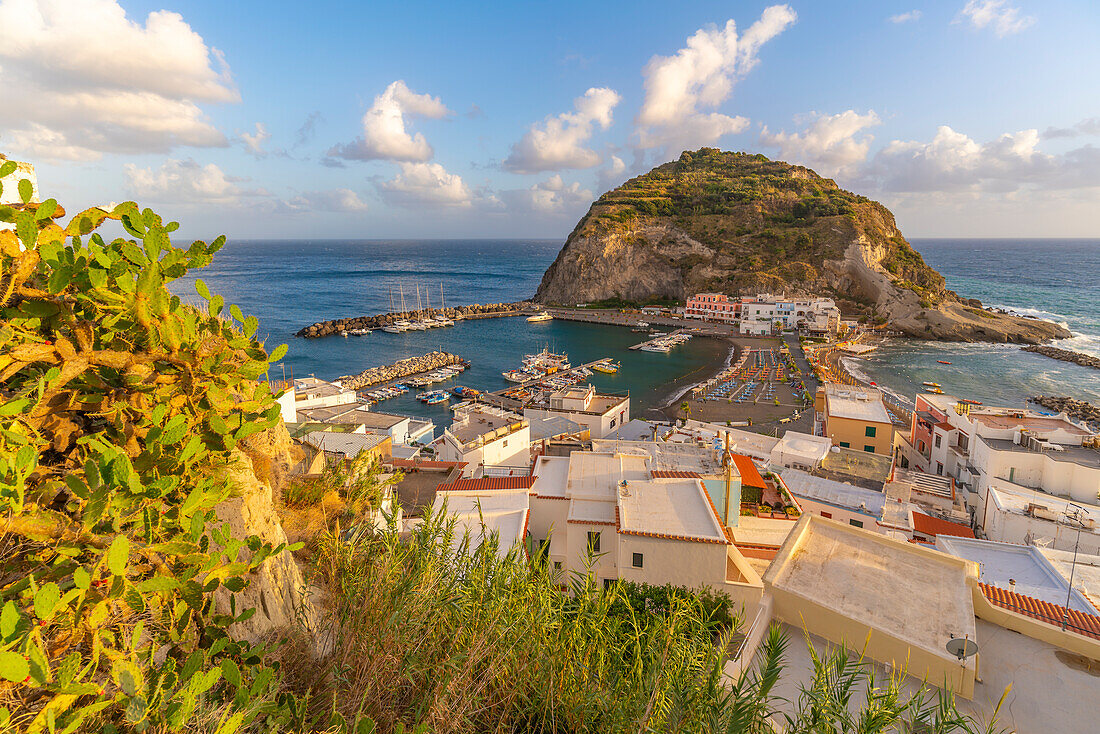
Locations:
(403, 309)
(442, 303)
(419, 307)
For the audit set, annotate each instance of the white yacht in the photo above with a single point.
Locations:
(541, 316)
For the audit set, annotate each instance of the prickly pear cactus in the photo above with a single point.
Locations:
(118, 406)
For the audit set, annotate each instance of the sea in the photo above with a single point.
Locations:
(288, 284)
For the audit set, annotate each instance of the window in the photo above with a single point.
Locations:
(594, 542)
(964, 442)
(637, 560)
(505, 442)
(939, 468)
(845, 445)
(557, 565)
(920, 446)
(856, 523)
(869, 431)
(612, 422)
(827, 514)
(939, 440)
(607, 583)
(869, 449)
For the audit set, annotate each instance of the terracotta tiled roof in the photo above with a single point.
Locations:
(1079, 622)
(667, 474)
(750, 476)
(487, 483)
(933, 526)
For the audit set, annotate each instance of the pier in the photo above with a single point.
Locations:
(659, 338)
(397, 370)
(501, 400)
(377, 321)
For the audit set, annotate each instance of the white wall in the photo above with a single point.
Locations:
(1036, 470)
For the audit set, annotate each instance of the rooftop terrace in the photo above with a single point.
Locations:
(671, 508)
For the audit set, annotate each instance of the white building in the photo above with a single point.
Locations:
(311, 392)
(484, 436)
(1014, 514)
(600, 414)
(1019, 450)
(359, 418)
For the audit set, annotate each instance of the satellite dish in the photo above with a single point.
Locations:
(962, 648)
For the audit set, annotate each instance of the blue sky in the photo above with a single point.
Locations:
(967, 118)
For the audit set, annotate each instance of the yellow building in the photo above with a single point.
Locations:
(855, 418)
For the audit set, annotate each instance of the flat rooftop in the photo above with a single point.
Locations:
(933, 484)
(855, 403)
(1034, 422)
(831, 492)
(1013, 498)
(478, 515)
(669, 508)
(551, 426)
(348, 444)
(999, 564)
(354, 414)
(1044, 683)
(551, 475)
(306, 388)
(913, 594)
(596, 475)
(1075, 454)
(479, 422)
(1086, 572)
(635, 430)
(665, 456)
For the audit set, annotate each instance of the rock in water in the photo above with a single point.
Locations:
(738, 223)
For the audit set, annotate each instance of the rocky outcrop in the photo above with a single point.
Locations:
(397, 370)
(1078, 409)
(1066, 355)
(473, 311)
(277, 590)
(741, 224)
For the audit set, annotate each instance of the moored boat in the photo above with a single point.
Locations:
(543, 316)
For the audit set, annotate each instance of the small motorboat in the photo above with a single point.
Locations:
(943, 361)
(931, 384)
(359, 332)
(970, 402)
(543, 316)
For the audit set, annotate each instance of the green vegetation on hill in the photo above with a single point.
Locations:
(769, 225)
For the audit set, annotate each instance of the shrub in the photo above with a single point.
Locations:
(124, 411)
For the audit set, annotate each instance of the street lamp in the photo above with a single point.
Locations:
(1073, 514)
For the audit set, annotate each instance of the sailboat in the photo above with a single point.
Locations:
(403, 324)
(441, 319)
(425, 320)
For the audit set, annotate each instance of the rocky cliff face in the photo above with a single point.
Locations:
(742, 224)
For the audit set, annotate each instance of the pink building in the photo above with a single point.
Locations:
(713, 307)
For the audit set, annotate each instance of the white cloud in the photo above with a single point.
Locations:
(830, 144)
(1003, 19)
(908, 17)
(611, 175)
(954, 162)
(331, 200)
(680, 88)
(558, 143)
(254, 142)
(426, 183)
(552, 196)
(94, 81)
(384, 134)
(186, 182)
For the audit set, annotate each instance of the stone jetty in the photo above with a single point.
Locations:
(1066, 355)
(474, 311)
(397, 370)
(1078, 409)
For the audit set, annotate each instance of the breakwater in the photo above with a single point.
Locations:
(473, 311)
(1066, 355)
(397, 370)
(1078, 409)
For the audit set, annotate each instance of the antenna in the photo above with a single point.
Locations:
(962, 647)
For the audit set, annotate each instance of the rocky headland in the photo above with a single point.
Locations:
(742, 224)
(473, 311)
